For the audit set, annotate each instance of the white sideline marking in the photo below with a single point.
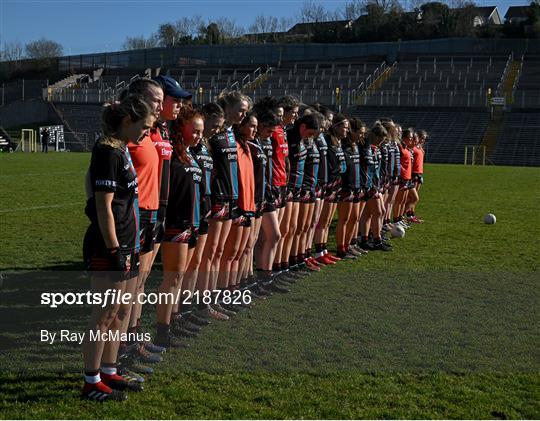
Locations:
(39, 207)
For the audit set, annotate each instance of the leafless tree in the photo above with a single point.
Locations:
(228, 28)
(43, 48)
(352, 10)
(140, 42)
(264, 24)
(285, 24)
(312, 11)
(12, 51)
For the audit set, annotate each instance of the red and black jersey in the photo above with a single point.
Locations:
(225, 160)
(311, 167)
(336, 161)
(297, 158)
(161, 139)
(111, 170)
(280, 152)
(351, 177)
(183, 209)
(322, 146)
(259, 169)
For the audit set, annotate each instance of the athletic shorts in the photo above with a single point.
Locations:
(294, 194)
(269, 206)
(418, 178)
(223, 210)
(203, 226)
(99, 260)
(349, 195)
(280, 196)
(243, 218)
(147, 230)
(259, 208)
(184, 234)
(307, 196)
(319, 191)
(406, 184)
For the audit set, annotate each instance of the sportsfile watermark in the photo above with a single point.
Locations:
(379, 321)
(116, 297)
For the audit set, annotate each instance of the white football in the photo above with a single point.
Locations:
(397, 231)
(490, 219)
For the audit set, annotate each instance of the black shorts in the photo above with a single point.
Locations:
(269, 206)
(203, 226)
(147, 230)
(223, 210)
(405, 184)
(418, 178)
(348, 195)
(293, 194)
(259, 208)
(280, 196)
(244, 218)
(319, 191)
(307, 196)
(99, 260)
(182, 235)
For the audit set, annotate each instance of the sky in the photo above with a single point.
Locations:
(92, 26)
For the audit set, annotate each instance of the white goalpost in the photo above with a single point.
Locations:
(475, 155)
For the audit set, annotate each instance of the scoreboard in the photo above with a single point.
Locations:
(56, 136)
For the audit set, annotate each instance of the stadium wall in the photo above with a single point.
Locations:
(274, 53)
(271, 54)
(27, 112)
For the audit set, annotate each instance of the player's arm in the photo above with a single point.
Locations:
(106, 218)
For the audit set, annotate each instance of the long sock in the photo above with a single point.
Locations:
(163, 330)
(92, 377)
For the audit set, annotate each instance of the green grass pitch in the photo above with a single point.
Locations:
(445, 326)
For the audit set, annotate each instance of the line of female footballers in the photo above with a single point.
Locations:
(240, 197)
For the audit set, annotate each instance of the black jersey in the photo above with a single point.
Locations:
(377, 161)
(266, 145)
(351, 177)
(111, 170)
(393, 160)
(183, 210)
(260, 162)
(311, 167)
(202, 155)
(336, 161)
(297, 158)
(384, 165)
(367, 166)
(322, 146)
(225, 173)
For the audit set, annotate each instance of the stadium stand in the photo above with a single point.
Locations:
(519, 143)
(527, 90)
(449, 131)
(441, 81)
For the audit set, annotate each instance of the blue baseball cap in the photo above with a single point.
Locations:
(172, 88)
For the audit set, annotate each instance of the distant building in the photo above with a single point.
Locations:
(488, 15)
(308, 29)
(516, 14)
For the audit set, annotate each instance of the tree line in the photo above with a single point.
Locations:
(372, 20)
